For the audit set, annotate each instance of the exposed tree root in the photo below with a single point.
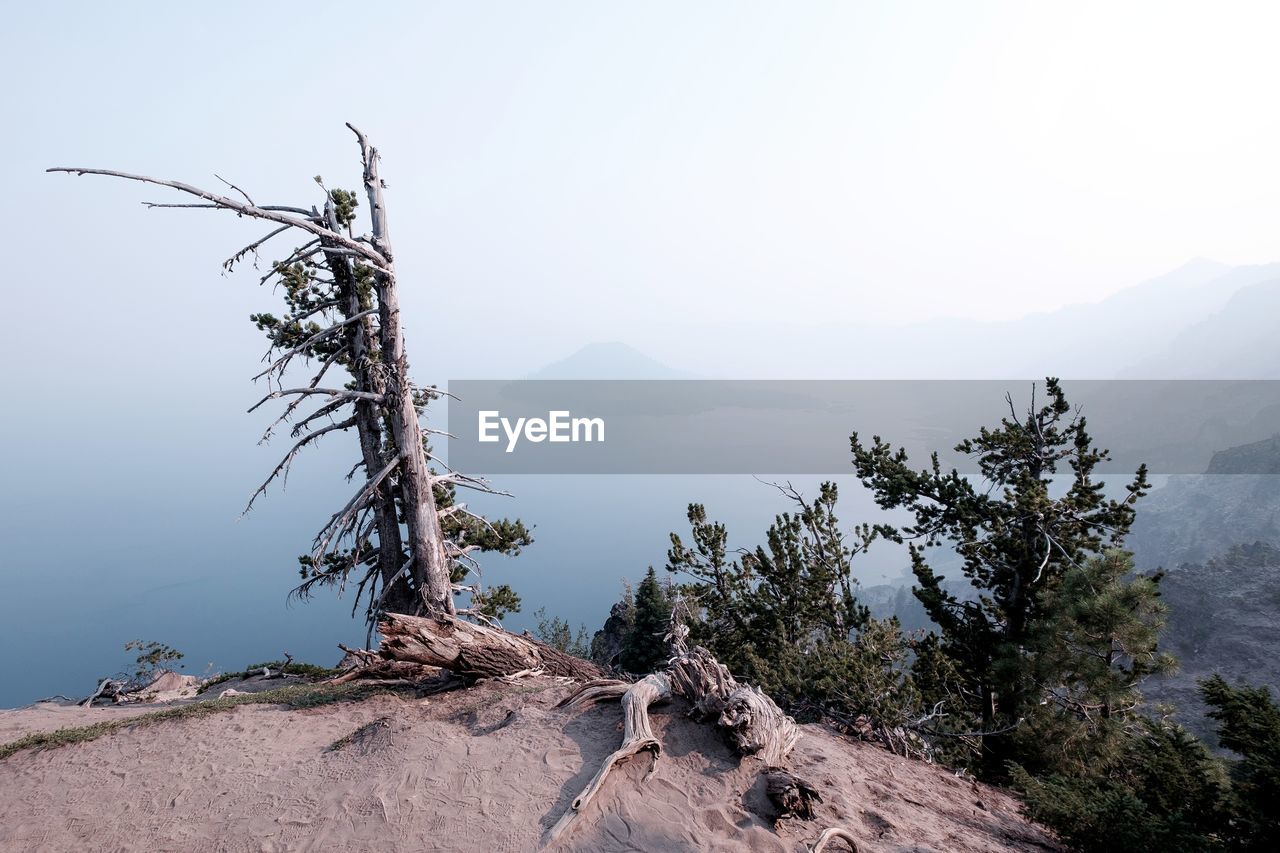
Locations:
(594, 691)
(833, 834)
(637, 737)
(754, 724)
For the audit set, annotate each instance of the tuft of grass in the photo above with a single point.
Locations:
(293, 668)
(291, 696)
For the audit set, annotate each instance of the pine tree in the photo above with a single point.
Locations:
(1088, 654)
(1159, 791)
(1017, 537)
(646, 648)
(1249, 724)
(785, 617)
(765, 613)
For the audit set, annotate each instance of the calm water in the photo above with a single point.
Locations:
(154, 552)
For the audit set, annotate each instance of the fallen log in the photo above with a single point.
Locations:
(474, 651)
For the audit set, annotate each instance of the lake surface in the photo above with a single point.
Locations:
(155, 552)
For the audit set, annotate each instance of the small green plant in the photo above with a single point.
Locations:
(306, 670)
(555, 632)
(496, 602)
(152, 658)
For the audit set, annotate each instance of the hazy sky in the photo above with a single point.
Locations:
(574, 162)
(558, 173)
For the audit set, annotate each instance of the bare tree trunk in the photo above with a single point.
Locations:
(430, 564)
(365, 349)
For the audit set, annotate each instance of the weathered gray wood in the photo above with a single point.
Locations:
(430, 568)
(833, 834)
(269, 213)
(366, 353)
(468, 649)
(637, 737)
(755, 724)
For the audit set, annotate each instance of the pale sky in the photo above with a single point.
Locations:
(559, 173)
(737, 161)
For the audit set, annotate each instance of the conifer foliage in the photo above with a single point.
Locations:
(1248, 721)
(1035, 513)
(402, 539)
(646, 648)
(785, 616)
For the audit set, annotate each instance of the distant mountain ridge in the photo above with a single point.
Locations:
(608, 360)
(1261, 457)
(1238, 341)
(1196, 517)
(1201, 320)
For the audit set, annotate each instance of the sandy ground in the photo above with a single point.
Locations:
(488, 768)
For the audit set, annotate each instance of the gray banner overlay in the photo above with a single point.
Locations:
(803, 427)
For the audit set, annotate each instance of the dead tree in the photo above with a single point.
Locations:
(343, 308)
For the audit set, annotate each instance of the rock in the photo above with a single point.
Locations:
(1224, 616)
(170, 685)
(606, 645)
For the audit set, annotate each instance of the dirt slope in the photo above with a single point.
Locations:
(488, 768)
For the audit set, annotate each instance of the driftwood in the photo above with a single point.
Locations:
(473, 651)
(755, 725)
(414, 647)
